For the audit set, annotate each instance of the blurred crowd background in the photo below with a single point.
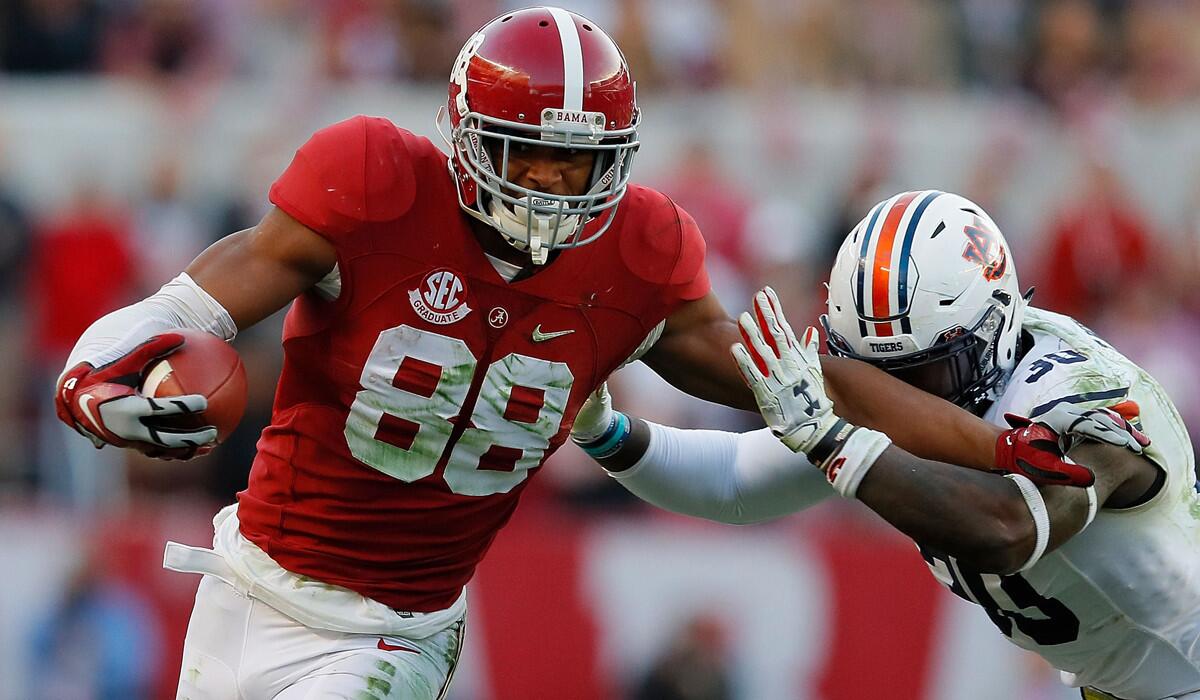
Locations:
(133, 133)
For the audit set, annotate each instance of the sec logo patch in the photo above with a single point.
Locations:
(441, 298)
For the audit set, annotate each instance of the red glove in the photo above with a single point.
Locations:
(1109, 425)
(1032, 451)
(104, 405)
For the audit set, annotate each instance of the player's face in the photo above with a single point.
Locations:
(561, 171)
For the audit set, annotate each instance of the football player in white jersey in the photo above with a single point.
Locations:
(1103, 582)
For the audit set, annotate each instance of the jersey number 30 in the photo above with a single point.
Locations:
(414, 384)
(1048, 621)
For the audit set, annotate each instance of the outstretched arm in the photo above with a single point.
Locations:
(693, 355)
(993, 523)
(733, 478)
(867, 396)
(740, 478)
(985, 520)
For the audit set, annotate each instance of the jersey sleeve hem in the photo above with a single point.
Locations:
(689, 275)
(298, 213)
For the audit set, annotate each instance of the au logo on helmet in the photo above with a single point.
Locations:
(441, 298)
(984, 247)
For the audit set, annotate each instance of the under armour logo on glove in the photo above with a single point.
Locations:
(802, 390)
(784, 374)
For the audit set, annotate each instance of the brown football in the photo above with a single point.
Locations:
(204, 365)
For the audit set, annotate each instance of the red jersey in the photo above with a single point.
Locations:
(413, 408)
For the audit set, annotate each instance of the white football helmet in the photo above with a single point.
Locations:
(925, 288)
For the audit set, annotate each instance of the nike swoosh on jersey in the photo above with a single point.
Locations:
(540, 337)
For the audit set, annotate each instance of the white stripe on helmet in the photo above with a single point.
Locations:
(572, 59)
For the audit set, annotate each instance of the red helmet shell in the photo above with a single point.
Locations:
(523, 64)
(547, 77)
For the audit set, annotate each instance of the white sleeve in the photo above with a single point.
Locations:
(180, 304)
(735, 478)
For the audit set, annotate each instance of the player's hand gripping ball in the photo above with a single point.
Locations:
(205, 366)
(173, 397)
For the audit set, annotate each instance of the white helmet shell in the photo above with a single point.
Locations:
(925, 288)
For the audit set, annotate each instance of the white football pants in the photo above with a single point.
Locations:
(239, 648)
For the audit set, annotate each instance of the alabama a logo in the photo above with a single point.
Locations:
(441, 298)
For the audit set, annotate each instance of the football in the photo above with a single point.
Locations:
(204, 365)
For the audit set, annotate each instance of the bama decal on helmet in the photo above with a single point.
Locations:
(984, 248)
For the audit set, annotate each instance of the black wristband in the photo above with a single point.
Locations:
(831, 443)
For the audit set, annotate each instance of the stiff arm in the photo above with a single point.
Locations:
(693, 355)
(981, 519)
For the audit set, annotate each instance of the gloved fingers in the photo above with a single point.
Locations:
(1016, 421)
(176, 405)
(753, 339)
(812, 344)
(770, 325)
(752, 372)
(777, 309)
(181, 438)
(126, 416)
(181, 453)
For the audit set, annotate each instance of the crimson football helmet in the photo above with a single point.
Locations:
(540, 76)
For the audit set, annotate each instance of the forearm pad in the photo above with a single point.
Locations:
(735, 478)
(179, 304)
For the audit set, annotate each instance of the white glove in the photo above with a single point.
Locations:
(784, 375)
(1106, 425)
(789, 388)
(595, 417)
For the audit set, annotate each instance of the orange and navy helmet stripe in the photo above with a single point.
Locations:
(890, 255)
(881, 269)
(862, 269)
(905, 255)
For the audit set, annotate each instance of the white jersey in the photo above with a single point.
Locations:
(1118, 606)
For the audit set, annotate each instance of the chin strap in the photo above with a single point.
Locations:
(525, 235)
(537, 252)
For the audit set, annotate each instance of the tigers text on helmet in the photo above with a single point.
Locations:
(541, 76)
(925, 288)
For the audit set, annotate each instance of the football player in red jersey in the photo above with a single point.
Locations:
(450, 316)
